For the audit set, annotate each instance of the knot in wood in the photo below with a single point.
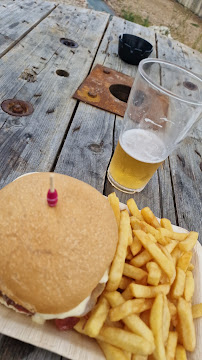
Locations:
(96, 148)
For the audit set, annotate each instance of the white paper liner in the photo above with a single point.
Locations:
(75, 346)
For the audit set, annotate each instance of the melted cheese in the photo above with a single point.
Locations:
(77, 311)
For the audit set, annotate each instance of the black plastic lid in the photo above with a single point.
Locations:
(132, 49)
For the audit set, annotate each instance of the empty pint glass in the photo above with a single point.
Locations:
(164, 102)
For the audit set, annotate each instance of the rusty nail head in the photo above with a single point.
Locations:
(92, 94)
(106, 71)
(17, 107)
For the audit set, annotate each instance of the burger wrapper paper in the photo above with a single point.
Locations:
(74, 346)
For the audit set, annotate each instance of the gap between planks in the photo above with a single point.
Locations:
(26, 32)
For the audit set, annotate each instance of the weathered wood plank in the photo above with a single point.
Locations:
(17, 19)
(193, 5)
(185, 162)
(70, 162)
(12, 349)
(120, 26)
(88, 146)
(31, 143)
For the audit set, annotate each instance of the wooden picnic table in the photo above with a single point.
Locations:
(70, 137)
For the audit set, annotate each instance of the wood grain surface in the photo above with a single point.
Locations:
(18, 18)
(74, 138)
(32, 143)
(185, 163)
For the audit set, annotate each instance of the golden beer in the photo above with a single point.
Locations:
(129, 172)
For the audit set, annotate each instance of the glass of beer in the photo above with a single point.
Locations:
(164, 103)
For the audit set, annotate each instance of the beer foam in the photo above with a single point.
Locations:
(143, 145)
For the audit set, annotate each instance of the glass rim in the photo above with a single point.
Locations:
(160, 87)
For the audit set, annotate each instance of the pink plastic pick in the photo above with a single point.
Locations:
(52, 195)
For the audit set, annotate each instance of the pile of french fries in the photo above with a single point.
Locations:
(145, 312)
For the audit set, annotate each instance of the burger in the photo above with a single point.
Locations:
(54, 261)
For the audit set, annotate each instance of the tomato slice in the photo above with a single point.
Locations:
(67, 323)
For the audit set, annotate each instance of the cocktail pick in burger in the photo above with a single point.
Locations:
(54, 264)
(52, 195)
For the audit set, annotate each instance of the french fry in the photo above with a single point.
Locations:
(137, 326)
(166, 252)
(114, 298)
(150, 317)
(180, 353)
(154, 273)
(166, 319)
(166, 265)
(139, 357)
(184, 260)
(127, 294)
(120, 338)
(190, 267)
(171, 246)
(129, 307)
(114, 202)
(166, 224)
(126, 340)
(143, 281)
(128, 355)
(130, 237)
(112, 352)
(173, 235)
(141, 259)
(117, 324)
(189, 286)
(143, 225)
(136, 246)
(134, 272)
(164, 279)
(129, 255)
(186, 327)
(197, 311)
(152, 238)
(145, 316)
(163, 240)
(141, 291)
(150, 218)
(171, 345)
(188, 244)
(175, 255)
(134, 209)
(125, 281)
(156, 324)
(133, 322)
(80, 326)
(117, 266)
(173, 313)
(135, 223)
(177, 288)
(97, 318)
